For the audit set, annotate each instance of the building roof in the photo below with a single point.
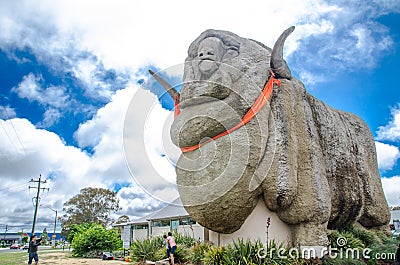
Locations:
(173, 210)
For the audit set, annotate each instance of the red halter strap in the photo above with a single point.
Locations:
(255, 108)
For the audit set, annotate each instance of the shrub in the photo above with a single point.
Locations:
(390, 245)
(154, 249)
(118, 253)
(92, 254)
(147, 249)
(274, 254)
(214, 256)
(381, 235)
(181, 254)
(95, 239)
(160, 254)
(368, 237)
(343, 262)
(247, 252)
(197, 252)
(184, 240)
(243, 252)
(76, 229)
(358, 237)
(346, 240)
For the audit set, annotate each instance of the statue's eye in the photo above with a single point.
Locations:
(210, 53)
(201, 54)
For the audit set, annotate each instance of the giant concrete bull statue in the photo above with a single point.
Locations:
(315, 166)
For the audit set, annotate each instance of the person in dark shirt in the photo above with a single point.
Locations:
(397, 260)
(33, 247)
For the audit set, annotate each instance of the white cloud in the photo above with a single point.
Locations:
(136, 202)
(52, 96)
(44, 153)
(391, 189)
(50, 117)
(108, 121)
(29, 88)
(41, 152)
(391, 131)
(148, 148)
(129, 34)
(6, 112)
(133, 128)
(387, 155)
(70, 169)
(311, 78)
(352, 39)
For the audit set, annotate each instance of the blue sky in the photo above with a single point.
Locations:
(69, 70)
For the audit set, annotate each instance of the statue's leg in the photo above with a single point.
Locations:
(311, 239)
(375, 211)
(300, 164)
(310, 234)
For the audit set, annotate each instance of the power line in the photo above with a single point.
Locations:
(13, 188)
(18, 138)
(9, 138)
(12, 124)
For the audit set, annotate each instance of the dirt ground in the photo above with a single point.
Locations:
(65, 258)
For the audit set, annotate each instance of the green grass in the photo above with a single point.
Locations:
(18, 258)
(14, 258)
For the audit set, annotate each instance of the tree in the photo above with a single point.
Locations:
(76, 229)
(95, 239)
(91, 205)
(122, 219)
(25, 239)
(45, 236)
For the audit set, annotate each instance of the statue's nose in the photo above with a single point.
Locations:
(205, 53)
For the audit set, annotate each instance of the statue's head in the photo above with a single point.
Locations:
(223, 76)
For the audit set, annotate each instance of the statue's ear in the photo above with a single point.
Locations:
(231, 52)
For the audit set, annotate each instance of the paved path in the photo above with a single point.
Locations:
(64, 258)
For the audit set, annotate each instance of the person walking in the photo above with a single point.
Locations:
(397, 260)
(33, 248)
(172, 245)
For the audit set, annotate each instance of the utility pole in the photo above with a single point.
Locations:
(37, 200)
(55, 224)
(5, 233)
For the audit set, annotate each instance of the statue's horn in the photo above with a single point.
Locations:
(170, 89)
(278, 64)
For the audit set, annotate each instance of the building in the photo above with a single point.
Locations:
(16, 237)
(395, 219)
(10, 238)
(174, 217)
(171, 218)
